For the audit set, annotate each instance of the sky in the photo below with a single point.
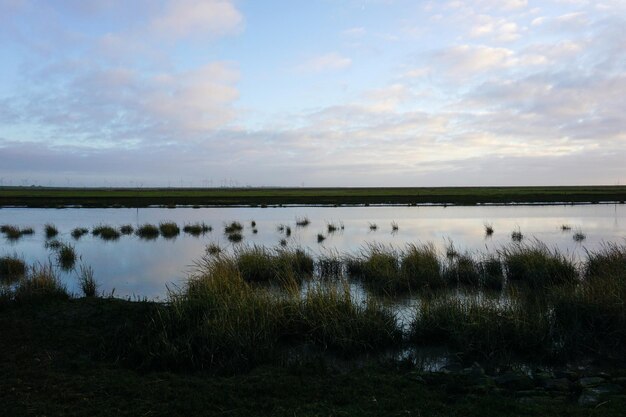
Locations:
(213, 93)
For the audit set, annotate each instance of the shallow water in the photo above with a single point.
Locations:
(136, 267)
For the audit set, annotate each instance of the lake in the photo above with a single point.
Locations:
(144, 268)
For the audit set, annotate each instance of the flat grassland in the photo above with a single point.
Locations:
(139, 197)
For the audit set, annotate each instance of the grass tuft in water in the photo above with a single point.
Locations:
(492, 274)
(86, 281)
(233, 227)
(213, 249)
(538, 266)
(463, 270)
(579, 236)
(79, 232)
(302, 221)
(106, 232)
(169, 230)
(235, 237)
(41, 284)
(330, 266)
(422, 268)
(517, 236)
(14, 232)
(147, 231)
(66, 256)
(483, 328)
(320, 238)
(12, 267)
(197, 229)
(489, 229)
(127, 229)
(50, 230)
(609, 260)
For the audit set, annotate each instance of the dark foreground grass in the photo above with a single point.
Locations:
(52, 364)
(135, 197)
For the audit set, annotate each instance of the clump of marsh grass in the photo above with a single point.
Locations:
(608, 261)
(579, 236)
(14, 232)
(253, 224)
(538, 266)
(197, 229)
(320, 238)
(282, 228)
(451, 251)
(330, 266)
(380, 268)
(66, 256)
(333, 227)
(483, 328)
(220, 322)
(233, 227)
(491, 271)
(389, 271)
(50, 230)
(566, 227)
(105, 232)
(282, 242)
(489, 229)
(12, 267)
(41, 284)
(330, 318)
(27, 231)
(517, 236)
(127, 229)
(258, 264)
(53, 244)
(302, 221)
(213, 249)
(421, 267)
(88, 285)
(79, 232)
(169, 230)
(373, 227)
(147, 231)
(255, 231)
(464, 270)
(591, 318)
(235, 237)
(394, 226)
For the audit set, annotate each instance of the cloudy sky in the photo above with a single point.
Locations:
(313, 93)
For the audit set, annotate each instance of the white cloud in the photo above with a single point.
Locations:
(465, 60)
(329, 62)
(197, 17)
(499, 29)
(356, 32)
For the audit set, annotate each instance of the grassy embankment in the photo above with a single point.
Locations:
(133, 197)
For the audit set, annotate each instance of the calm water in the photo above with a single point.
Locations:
(135, 267)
